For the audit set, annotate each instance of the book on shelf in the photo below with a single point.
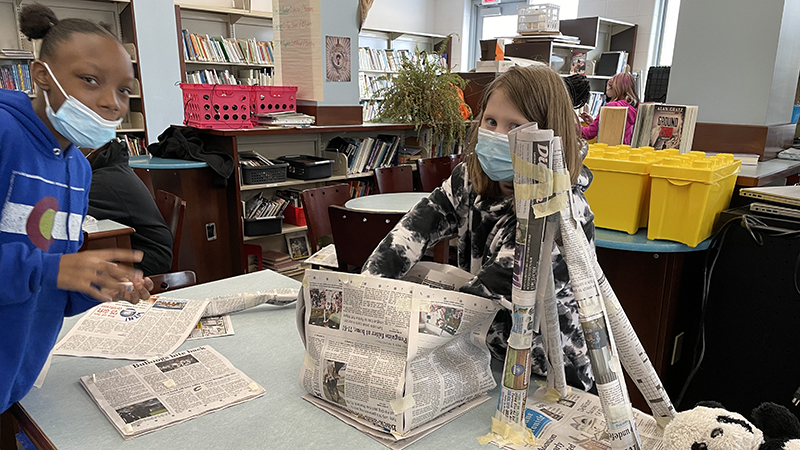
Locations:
(135, 145)
(258, 207)
(205, 48)
(285, 119)
(273, 257)
(664, 126)
(16, 77)
(366, 154)
(360, 188)
(613, 120)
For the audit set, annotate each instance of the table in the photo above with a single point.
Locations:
(659, 283)
(266, 347)
(766, 172)
(395, 202)
(106, 234)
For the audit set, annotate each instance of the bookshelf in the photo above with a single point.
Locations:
(225, 45)
(118, 14)
(379, 53)
(272, 143)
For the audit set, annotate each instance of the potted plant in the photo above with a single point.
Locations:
(426, 94)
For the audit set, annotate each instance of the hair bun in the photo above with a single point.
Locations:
(36, 20)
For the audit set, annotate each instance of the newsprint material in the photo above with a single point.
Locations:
(155, 327)
(326, 256)
(119, 330)
(396, 354)
(576, 421)
(147, 396)
(214, 326)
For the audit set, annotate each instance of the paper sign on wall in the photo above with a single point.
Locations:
(298, 43)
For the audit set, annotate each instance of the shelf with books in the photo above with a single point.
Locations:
(287, 183)
(222, 63)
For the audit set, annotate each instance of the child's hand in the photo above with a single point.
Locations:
(586, 118)
(96, 274)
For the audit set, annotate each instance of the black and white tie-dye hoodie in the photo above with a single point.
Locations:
(486, 228)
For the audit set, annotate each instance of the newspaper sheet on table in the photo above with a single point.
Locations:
(576, 421)
(394, 353)
(120, 330)
(150, 395)
(154, 327)
(213, 326)
(436, 275)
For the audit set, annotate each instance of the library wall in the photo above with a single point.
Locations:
(739, 67)
(338, 18)
(404, 15)
(453, 16)
(641, 12)
(159, 66)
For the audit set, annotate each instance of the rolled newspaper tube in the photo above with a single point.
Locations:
(599, 338)
(548, 306)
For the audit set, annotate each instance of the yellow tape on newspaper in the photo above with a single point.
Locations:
(308, 362)
(305, 281)
(546, 177)
(618, 413)
(401, 404)
(551, 206)
(511, 432)
(486, 438)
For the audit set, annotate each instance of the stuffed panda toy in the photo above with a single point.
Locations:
(709, 426)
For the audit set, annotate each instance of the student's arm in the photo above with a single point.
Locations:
(494, 278)
(431, 220)
(590, 132)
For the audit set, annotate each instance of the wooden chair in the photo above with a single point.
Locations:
(172, 208)
(357, 233)
(172, 280)
(394, 179)
(433, 171)
(16, 420)
(315, 208)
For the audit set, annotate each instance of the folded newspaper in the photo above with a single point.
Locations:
(155, 327)
(394, 354)
(151, 395)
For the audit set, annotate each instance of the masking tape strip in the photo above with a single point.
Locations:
(523, 298)
(308, 362)
(540, 173)
(520, 341)
(253, 386)
(589, 307)
(127, 429)
(619, 413)
(552, 206)
(169, 384)
(540, 190)
(404, 304)
(344, 278)
(357, 280)
(512, 432)
(551, 396)
(305, 281)
(663, 421)
(401, 404)
(486, 438)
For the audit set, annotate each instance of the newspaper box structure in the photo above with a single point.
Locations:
(542, 192)
(393, 355)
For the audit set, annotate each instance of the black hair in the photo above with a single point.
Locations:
(40, 22)
(578, 88)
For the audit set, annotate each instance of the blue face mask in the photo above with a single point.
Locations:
(494, 154)
(78, 123)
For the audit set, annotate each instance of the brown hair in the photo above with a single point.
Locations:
(540, 95)
(625, 88)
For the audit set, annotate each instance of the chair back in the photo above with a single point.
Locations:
(172, 209)
(357, 233)
(394, 179)
(433, 171)
(173, 280)
(315, 208)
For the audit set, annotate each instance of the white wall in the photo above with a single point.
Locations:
(159, 65)
(339, 18)
(402, 15)
(452, 16)
(641, 12)
(732, 63)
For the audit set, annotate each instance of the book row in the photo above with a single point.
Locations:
(247, 77)
(204, 48)
(366, 154)
(16, 77)
(373, 86)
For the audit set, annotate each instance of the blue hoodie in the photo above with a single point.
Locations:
(45, 188)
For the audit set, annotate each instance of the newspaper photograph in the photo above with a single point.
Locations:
(147, 396)
(393, 353)
(214, 326)
(119, 330)
(576, 421)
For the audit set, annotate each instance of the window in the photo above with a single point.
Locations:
(669, 28)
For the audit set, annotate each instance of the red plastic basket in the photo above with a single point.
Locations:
(267, 99)
(217, 105)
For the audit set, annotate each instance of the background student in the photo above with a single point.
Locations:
(118, 194)
(621, 89)
(477, 203)
(84, 77)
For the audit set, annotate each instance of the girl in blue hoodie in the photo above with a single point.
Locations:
(84, 77)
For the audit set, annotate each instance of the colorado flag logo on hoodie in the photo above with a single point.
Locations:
(43, 222)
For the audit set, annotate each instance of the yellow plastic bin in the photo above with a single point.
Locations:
(687, 194)
(620, 191)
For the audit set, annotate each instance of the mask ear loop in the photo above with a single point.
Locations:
(47, 66)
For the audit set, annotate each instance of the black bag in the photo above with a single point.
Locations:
(185, 143)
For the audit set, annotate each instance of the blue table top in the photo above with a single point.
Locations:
(268, 349)
(147, 162)
(619, 240)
